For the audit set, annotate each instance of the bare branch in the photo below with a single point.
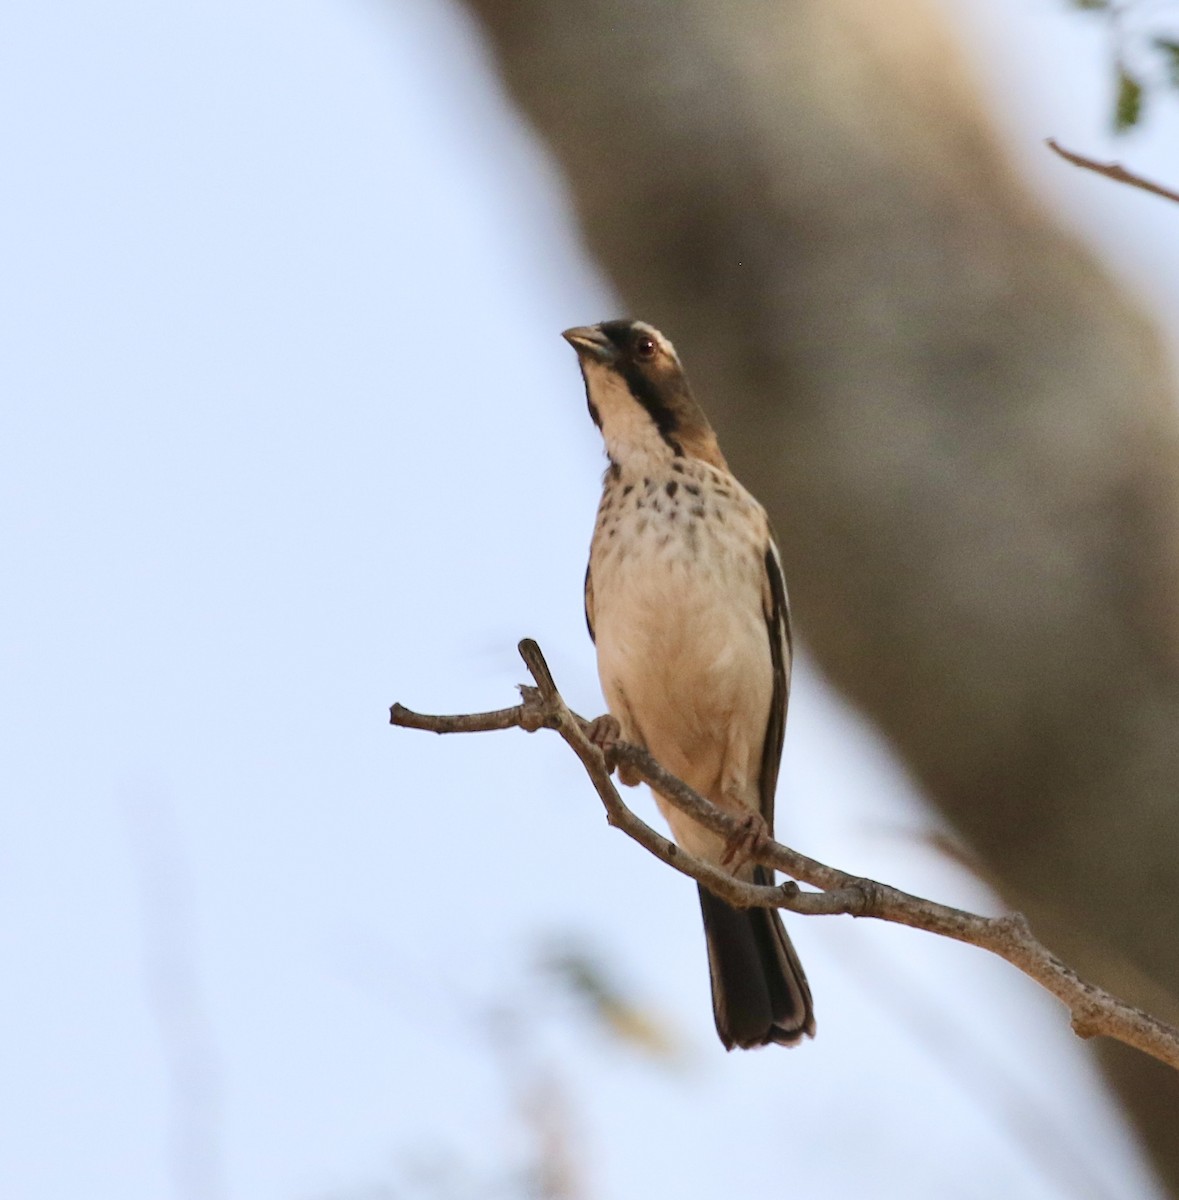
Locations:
(1094, 1011)
(1112, 170)
(502, 718)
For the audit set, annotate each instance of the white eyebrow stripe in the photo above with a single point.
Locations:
(661, 340)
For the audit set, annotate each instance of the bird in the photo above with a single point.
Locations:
(686, 605)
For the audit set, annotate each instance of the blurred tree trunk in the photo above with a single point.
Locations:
(963, 428)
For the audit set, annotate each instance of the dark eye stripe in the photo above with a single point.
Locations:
(647, 394)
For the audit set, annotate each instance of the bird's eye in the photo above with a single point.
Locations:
(645, 347)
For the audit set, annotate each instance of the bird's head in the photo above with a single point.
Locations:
(638, 394)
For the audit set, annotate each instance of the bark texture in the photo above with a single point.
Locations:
(963, 428)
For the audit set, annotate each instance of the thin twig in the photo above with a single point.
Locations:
(1112, 170)
(502, 718)
(1094, 1011)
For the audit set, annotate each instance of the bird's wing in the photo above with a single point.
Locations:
(589, 603)
(777, 613)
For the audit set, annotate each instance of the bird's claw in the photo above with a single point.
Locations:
(605, 733)
(746, 841)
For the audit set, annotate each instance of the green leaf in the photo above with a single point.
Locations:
(1128, 108)
(1171, 50)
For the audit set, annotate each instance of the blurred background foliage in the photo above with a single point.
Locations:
(1144, 42)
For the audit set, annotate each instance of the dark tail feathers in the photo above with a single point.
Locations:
(759, 989)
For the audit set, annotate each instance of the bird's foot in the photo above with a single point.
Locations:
(747, 840)
(605, 733)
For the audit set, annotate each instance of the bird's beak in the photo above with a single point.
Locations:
(591, 341)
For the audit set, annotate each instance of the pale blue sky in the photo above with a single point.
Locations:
(289, 433)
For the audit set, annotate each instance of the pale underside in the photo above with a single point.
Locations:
(680, 604)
